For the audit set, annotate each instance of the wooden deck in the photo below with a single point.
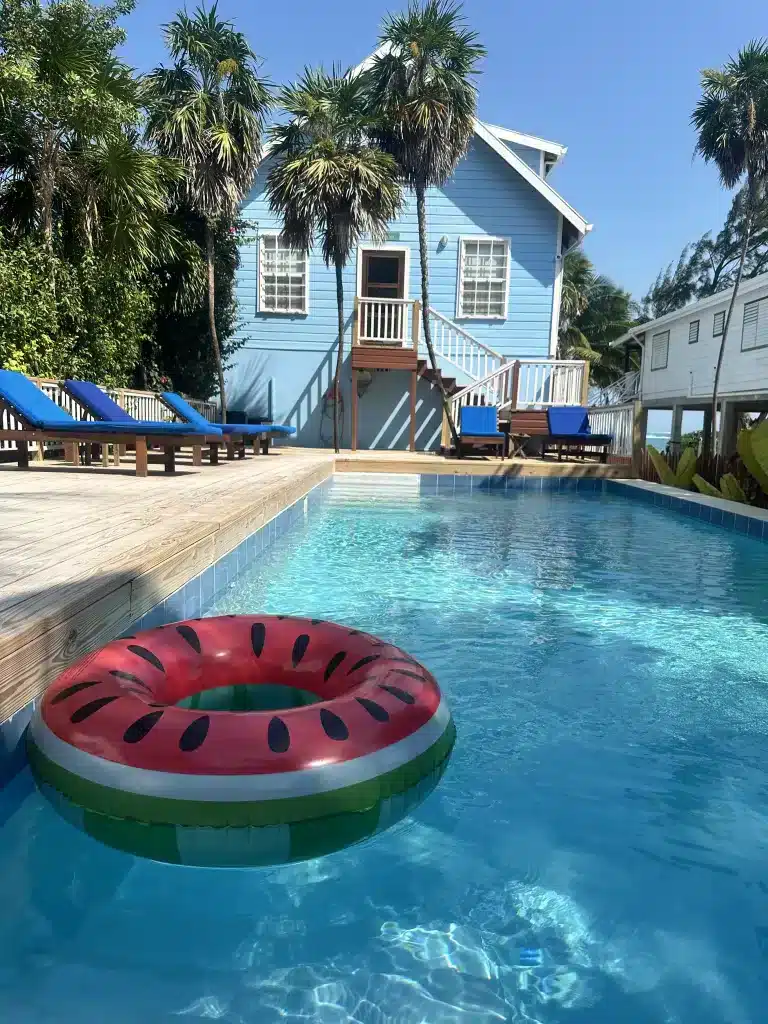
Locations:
(85, 552)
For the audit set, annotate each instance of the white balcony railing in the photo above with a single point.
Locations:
(545, 382)
(616, 420)
(385, 321)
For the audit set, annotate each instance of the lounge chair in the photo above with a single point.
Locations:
(43, 420)
(257, 432)
(479, 427)
(569, 428)
(106, 410)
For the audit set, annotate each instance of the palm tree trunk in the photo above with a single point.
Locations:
(748, 221)
(212, 318)
(421, 213)
(339, 355)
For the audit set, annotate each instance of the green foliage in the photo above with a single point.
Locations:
(594, 312)
(93, 324)
(681, 477)
(705, 487)
(752, 446)
(730, 488)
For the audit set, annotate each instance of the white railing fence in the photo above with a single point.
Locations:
(142, 405)
(625, 389)
(384, 321)
(617, 420)
(459, 348)
(545, 382)
(496, 389)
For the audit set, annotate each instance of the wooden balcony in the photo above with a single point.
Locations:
(385, 334)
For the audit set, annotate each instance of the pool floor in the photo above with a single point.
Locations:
(596, 852)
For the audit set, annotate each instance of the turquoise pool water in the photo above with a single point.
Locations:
(597, 851)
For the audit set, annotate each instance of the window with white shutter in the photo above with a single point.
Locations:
(693, 332)
(718, 324)
(754, 331)
(483, 278)
(660, 351)
(283, 277)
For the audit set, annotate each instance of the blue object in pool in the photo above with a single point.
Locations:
(530, 957)
(606, 665)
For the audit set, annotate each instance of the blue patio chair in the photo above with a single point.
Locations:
(255, 431)
(43, 420)
(569, 428)
(106, 410)
(479, 427)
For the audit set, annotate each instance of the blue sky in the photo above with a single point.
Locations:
(614, 81)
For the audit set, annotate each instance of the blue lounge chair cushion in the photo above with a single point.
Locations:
(41, 413)
(567, 420)
(97, 402)
(188, 412)
(480, 421)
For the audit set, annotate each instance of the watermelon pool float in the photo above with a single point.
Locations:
(111, 747)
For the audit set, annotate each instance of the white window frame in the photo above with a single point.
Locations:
(695, 339)
(665, 336)
(760, 324)
(460, 314)
(715, 332)
(260, 283)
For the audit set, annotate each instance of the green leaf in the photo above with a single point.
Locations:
(752, 446)
(686, 469)
(705, 487)
(731, 489)
(665, 474)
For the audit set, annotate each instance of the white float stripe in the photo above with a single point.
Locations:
(276, 786)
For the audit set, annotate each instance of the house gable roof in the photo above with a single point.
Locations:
(495, 137)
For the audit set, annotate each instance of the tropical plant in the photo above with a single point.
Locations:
(731, 119)
(593, 313)
(207, 111)
(328, 180)
(421, 86)
(682, 476)
(729, 488)
(61, 89)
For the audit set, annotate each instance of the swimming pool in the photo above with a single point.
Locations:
(596, 851)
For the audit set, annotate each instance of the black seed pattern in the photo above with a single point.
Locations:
(333, 664)
(334, 727)
(127, 637)
(70, 691)
(354, 632)
(258, 636)
(139, 729)
(299, 649)
(129, 677)
(363, 661)
(374, 710)
(142, 652)
(194, 735)
(411, 675)
(190, 636)
(90, 709)
(403, 695)
(278, 737)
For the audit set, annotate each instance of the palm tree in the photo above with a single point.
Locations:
(420, 83)
(328, 181)
(207, 111)
(732, 121)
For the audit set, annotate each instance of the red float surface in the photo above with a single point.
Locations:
(118, 703)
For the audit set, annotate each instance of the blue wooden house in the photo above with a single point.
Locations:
(498, 231)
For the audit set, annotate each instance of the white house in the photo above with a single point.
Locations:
(679, 356)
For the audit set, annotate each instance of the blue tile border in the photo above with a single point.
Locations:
(464, 483)
(752, 522)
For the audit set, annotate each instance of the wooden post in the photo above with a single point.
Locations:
(141, 456)
(414, 382)
(355, 399)
(445, 435)
(22, 454)
(197, 455)
(72, 453)
(213, 453)
(639, 427)
(169, 459)
(39, 452)
(105, 455)
(585, 385)
(515, 385)
(416, 326)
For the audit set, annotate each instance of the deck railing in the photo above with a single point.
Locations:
(625, 389)
(617, 420)
(142, 405)
(385, 322)
(461, 349)
(546, 382)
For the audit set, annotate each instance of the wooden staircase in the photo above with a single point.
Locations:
(425, 371)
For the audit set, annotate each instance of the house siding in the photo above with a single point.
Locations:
(690, 370)
(528, 154)
(484, 197)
